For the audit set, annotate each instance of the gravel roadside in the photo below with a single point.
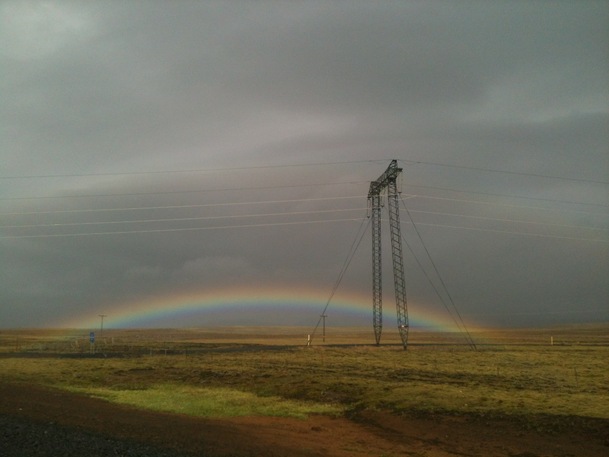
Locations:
(23, 438)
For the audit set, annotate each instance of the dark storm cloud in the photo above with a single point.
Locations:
(109, 87)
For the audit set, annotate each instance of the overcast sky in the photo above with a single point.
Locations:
(265, 118)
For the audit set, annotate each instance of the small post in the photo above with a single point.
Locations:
(309, 340)
(323, 317)
(551, 341)
(101, 330)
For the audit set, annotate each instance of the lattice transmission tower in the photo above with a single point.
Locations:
(387, 181)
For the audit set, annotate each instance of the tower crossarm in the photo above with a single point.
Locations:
(390, 174)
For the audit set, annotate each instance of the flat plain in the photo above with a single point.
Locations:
(263, 391)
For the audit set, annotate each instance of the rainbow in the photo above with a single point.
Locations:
(247, 305)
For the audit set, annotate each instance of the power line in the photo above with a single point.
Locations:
(190, 229)
(285, 213)
(507, 205)
(478, 229)
(421, 196)
(172, 192)
(432, 284)
(433, 264)
(513, 232)
(261, 167)
(523, 197)
(450, 226)
(190, 170)
(518, 221)
(204, 205)
(554, 200)
(183, 219)
(508, 172)
(352, 250)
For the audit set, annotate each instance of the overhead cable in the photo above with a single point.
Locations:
(188, 229)
(204, 205)
(194, 191)
(507, 172)
(521, 197)
(352, 250)
(439, 276)
(189, 170)
(183, 219)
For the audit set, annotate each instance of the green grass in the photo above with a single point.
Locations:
(209, 402)
(240, 379)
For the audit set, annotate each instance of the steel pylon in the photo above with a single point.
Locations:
(388, 180)
(377, 283)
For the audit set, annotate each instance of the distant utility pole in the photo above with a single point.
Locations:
(323, 317)
(101, 330)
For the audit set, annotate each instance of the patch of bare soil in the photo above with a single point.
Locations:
(41, 422)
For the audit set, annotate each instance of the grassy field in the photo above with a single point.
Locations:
(271, 371)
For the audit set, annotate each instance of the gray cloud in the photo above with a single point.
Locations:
(243, 93)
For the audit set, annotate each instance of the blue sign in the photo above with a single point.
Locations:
(92, 337)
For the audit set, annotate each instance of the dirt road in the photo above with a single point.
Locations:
(40, 422)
